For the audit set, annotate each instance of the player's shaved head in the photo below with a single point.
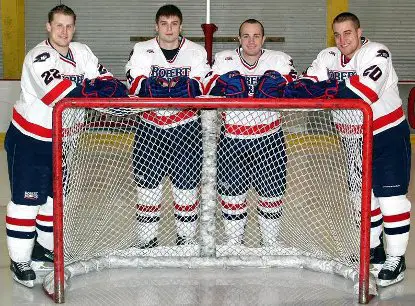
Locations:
(346, 16)
(169, 10)
(61, 9)
(251, 21)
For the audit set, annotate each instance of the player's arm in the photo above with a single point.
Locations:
(48, 82)
(314, 81)
(374, 68)
(137, 70)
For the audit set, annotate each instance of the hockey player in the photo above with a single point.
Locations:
(53, 69)
(251, 149)
(167, 142)
(359, 68)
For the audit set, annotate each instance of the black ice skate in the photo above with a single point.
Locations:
(377, 258)
(23, 273)
(148, 245)
(42, 258)
(180, 240)
(393, 271)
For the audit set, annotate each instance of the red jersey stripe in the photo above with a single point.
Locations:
(31, 127)
(52, 95)
(368, 92)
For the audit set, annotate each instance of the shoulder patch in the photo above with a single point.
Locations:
(150, 51)
(42, 57)
(228, 58)
(332, 53)
(382, 53)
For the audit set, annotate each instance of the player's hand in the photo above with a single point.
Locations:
(231, 84)
(184, 87)
(308, 89)
(270, 85)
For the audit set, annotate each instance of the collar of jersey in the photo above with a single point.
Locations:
(244, 62)
(69, 58)
(344, 60)
(181, 42)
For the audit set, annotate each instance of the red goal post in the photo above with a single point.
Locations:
(142, 104)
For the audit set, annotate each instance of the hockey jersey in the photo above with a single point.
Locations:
(250, 124)
(370, 75)
(47, 77)
(147, 60)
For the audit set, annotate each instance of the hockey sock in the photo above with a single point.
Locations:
(20, 229)
(269, 213)
(186, 206)
(148, 213)
(234, 212)
(44, 224)
(396, 217)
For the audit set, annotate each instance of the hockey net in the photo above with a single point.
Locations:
(130, 195)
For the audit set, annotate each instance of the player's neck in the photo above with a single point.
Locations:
(168, 45)
(250, 59)
(62, 50)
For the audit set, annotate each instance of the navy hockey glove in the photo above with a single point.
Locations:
(100, 88)
(154, 87)
(231, 84)
(184, 87)
(308, 89)
(270, 85)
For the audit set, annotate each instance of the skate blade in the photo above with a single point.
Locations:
(41, 266)
(386, 283)
(26, 283)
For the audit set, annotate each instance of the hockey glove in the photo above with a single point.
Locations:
(308, 89)
(231, 84)
(270, 85)
(184, 87)
(154, 87)
(100, 88)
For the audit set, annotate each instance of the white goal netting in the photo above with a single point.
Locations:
(211, 187)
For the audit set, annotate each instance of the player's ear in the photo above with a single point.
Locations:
(156, 26)
(263, 40)
(239, 39)
(359, 32)
(181, 28)
(48, 27)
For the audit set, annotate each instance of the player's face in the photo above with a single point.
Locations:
(61, 31)
(251, 39)
(168, 29)
(347, 37)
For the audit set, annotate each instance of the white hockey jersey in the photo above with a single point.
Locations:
(147, 60)
(47, 77)
(250, 124)
(370, 75)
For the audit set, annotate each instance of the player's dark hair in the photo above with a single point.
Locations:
(61, 9)
(345, 17)
(169, 10)
(252, 21)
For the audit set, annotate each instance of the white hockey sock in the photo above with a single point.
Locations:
(186, 206)
(234, 213)
(269, 213)
(20, 228)
(376, 222)
(148, 213)
(396, 218)
(44, 224)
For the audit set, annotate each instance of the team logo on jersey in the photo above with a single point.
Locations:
(340, 75)
(251, 80)
(169, 73)
(332, 53)
(382, 53)
(150, 51)
(208, 74)
(291, 63)
(41, 57)
(228, 58)
(31, 195)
